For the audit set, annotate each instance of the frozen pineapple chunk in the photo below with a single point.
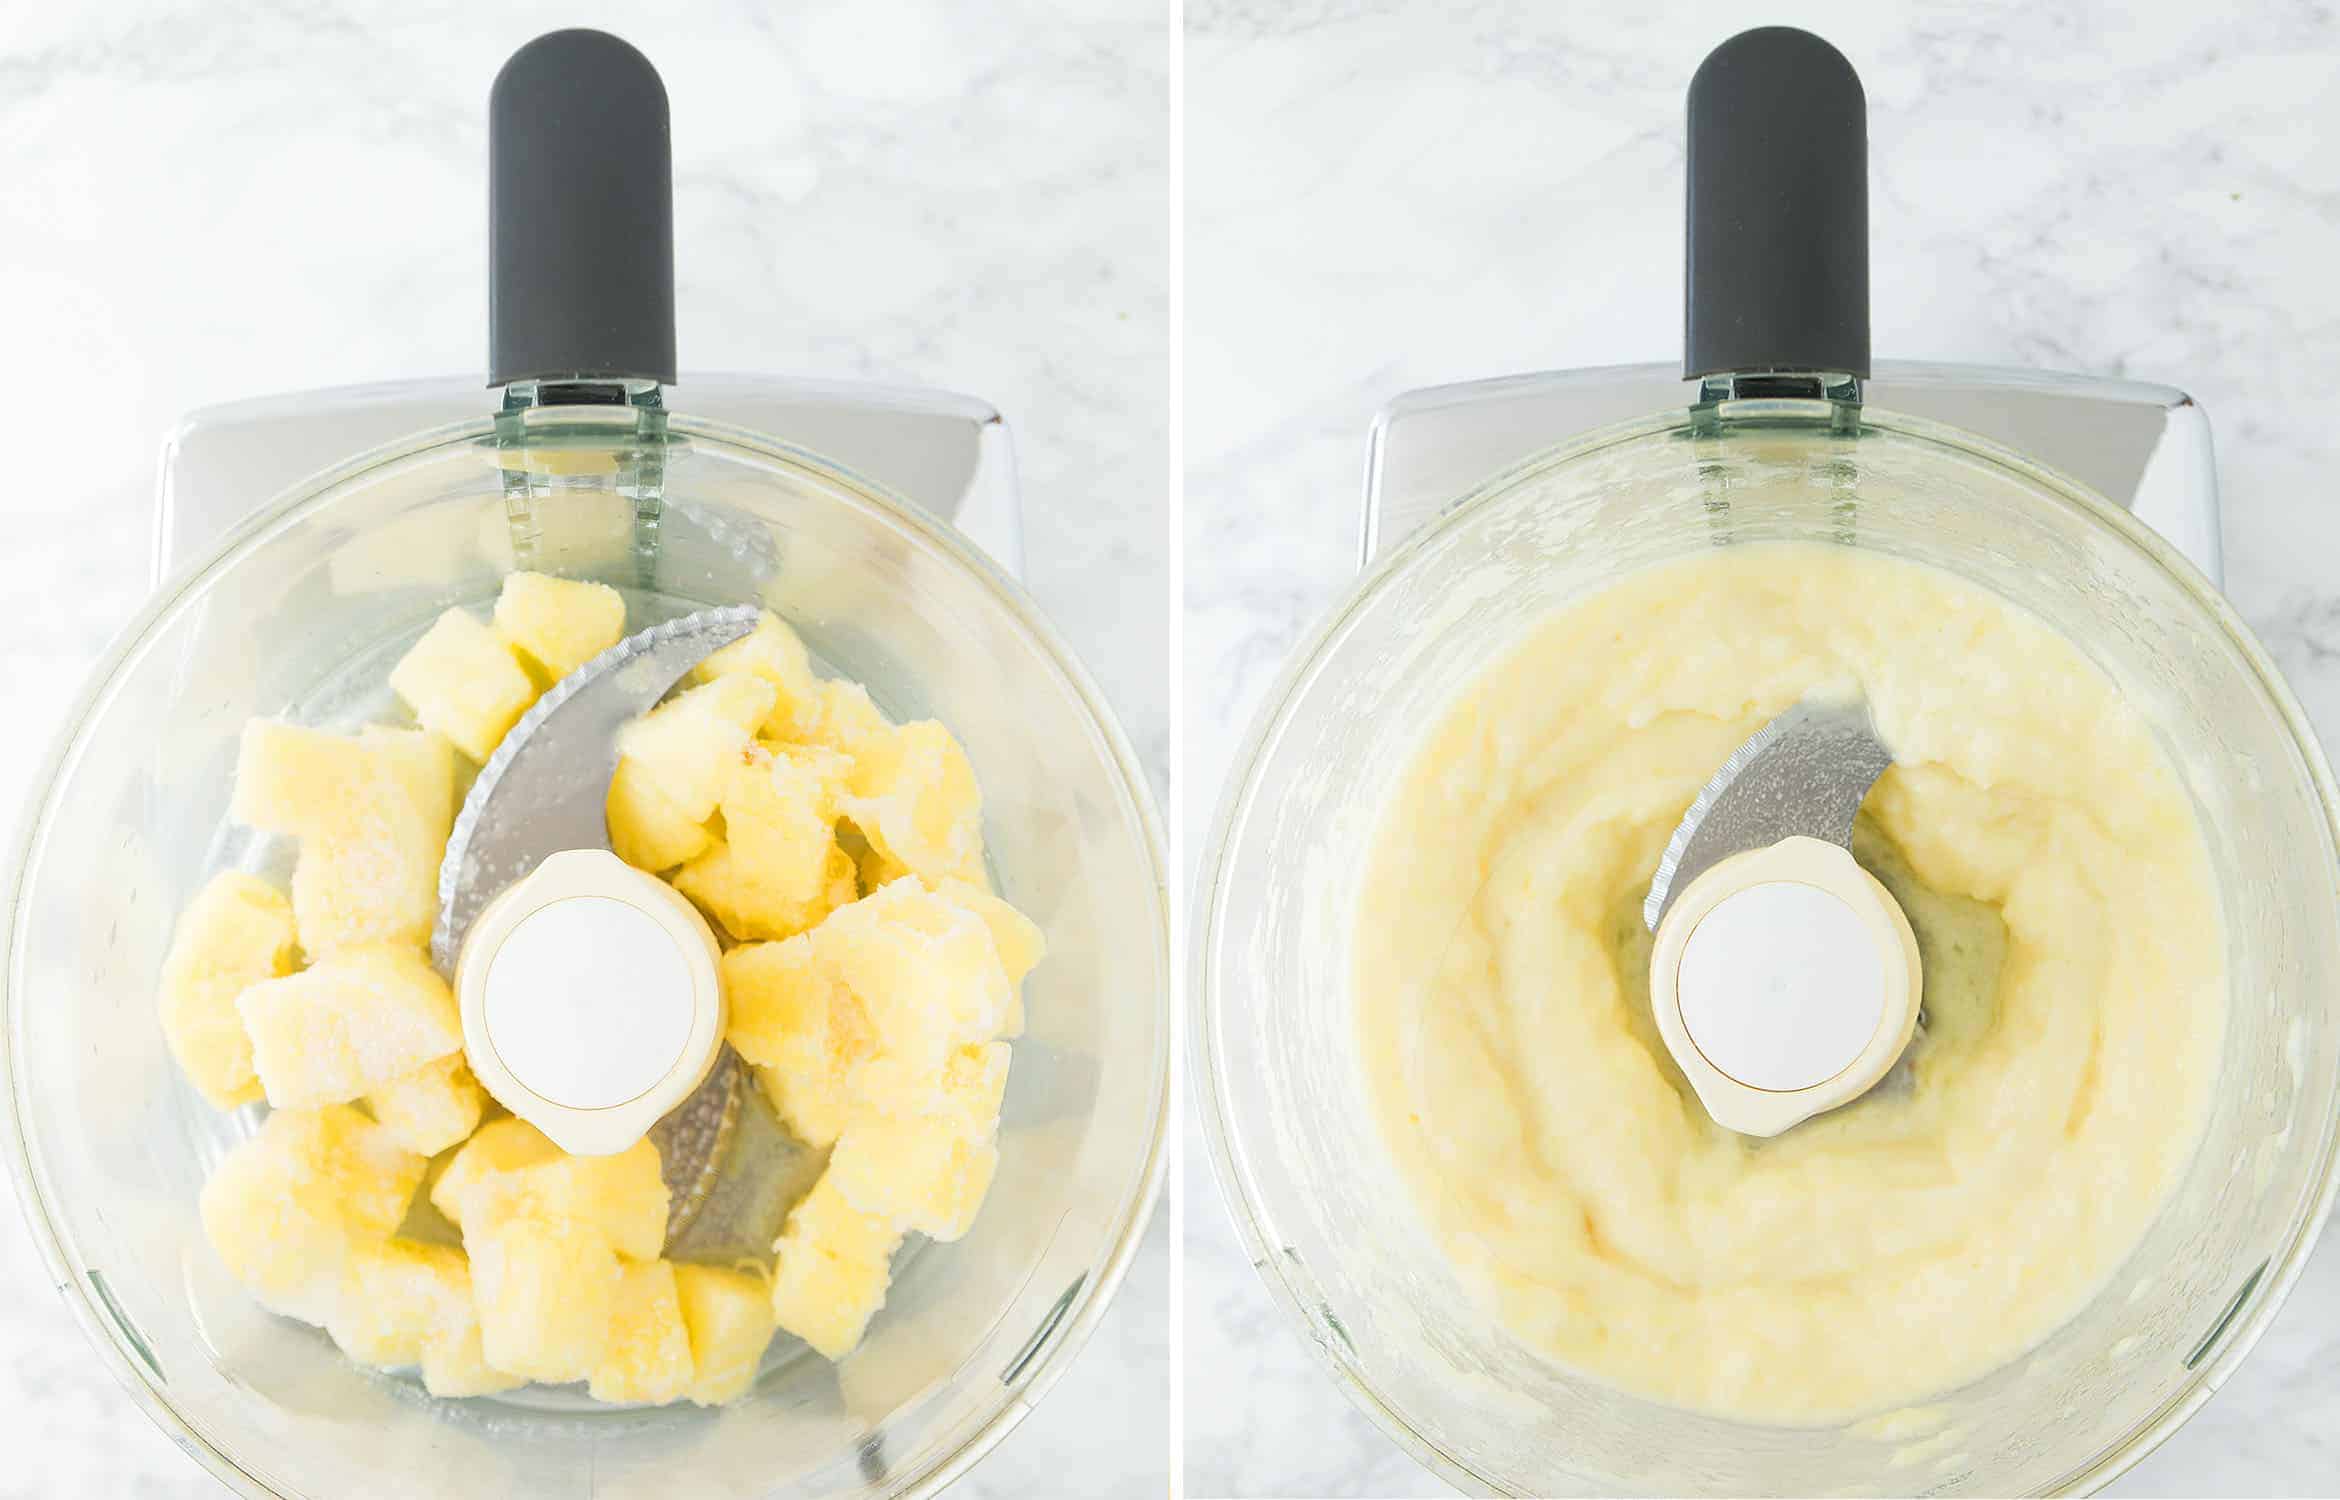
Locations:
(648, 1357)
(834, 1266)
(780, 816)
(729, 1318)
(237, 931)
(431, 1108)
(463, 680)
(545, 1290)
(840, 717)
(407, 1303)
(289, 1208)
(921, 1149)
(924, 969)
(559, 624)
(772, 652)
(741, 898)
(648, 829)
(913, 796)
(481, 1172)
(801, 1028)
(1014, 937)
(371, 811)
(510, 1171)
(347, 1025)
(687, 746)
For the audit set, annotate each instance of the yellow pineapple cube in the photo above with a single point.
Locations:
(920, 1151)
(913, 796)
(407, 1303)
(509, 1170)
(772, 652)
(477, 1181)
(835, 1263)
(457, 1365)
(780, 816)
(431, 1108)
(801, 1028)
(738, 896)
(729, 1317)
(463, 680)
(372, 812)
(559, 624)
(648, 829)
(237, 931)
(687, 746)
(924, 968)
(288, 1209)
(1014, 937)
(649, 1353)
(347, 1025)
(545, 1290)
(840, 717)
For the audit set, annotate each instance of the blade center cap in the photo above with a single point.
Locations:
(590, 1000)
(1781, 985)
(1785, 982)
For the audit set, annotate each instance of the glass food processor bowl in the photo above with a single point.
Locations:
(1285, 1102)
(300, 613)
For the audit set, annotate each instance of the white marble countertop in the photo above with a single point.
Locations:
(1384, 195)
(201, 202)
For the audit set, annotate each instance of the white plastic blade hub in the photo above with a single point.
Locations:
(590, 1000)
(1785, 982)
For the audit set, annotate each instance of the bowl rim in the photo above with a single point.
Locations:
(1229, 1153)
(1059, 1338)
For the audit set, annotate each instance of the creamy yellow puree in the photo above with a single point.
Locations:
(2074, 983)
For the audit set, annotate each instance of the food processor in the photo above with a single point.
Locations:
(881, 524)
(2088, 503)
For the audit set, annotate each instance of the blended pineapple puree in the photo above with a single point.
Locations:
(1913, 1240)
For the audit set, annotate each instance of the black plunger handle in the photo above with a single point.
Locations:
(580, 214)
(1778, 264)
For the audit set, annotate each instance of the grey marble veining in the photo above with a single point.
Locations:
(205, 201)
(1385, 194)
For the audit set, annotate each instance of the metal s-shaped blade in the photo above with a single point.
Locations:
(546, 786)
(1806, 772)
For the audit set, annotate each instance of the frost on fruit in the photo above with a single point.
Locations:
(648, 829)
(546, 1290)
(801, 1028)
(728, 1315)
(288, 1209)
(648, 1356)
(347, 1025)
(1014, 936)
(406, 1303)
(772, 652)
(736, 894)
(914, 798)
(559, 624)
(431, 1108)
(834, 1263)
(924, 969)
(463, 680)
(237, 931)
(921, 1149)
(840, 717)
(509, 1170)
(372, 813)
(687, 746)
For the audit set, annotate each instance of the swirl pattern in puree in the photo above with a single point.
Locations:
(2074, 976)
